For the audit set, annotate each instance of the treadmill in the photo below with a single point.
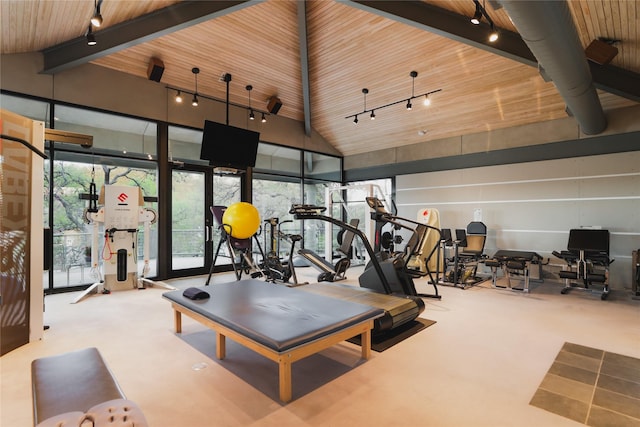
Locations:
(399, 307)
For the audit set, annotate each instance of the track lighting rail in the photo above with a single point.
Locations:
(404, 100)
(182, 92)
(407, 100)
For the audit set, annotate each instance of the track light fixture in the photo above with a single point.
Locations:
(493, 35)
(227, 79)
(91, 38)
(409, 104)
(365, 91)
(96, 19)
(477, 17)
(252, 116)
(195, 71)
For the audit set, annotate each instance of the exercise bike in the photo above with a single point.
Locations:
(275, 270)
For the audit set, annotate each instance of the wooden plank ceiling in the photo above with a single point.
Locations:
(348, 49)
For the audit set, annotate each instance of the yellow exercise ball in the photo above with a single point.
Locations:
(241, 220)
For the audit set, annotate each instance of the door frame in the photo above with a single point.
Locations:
(208, 222)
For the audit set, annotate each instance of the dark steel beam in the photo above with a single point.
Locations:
(304, 65)
(616, 80)
(139, 30)
(450, 25)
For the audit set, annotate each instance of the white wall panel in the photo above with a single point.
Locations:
(532, 206)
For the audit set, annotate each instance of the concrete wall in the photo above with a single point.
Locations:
(531, 206)
(620, 122)
(99, 87)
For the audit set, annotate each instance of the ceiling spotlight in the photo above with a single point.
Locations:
(493, 36)
(251, 115)
(427, 100)
(195, 71)
(355, 121)
(263, 119)
(91, 38)
(477, 16)
(373, 115)
(179, 97)
(96, 19)
(409, 104)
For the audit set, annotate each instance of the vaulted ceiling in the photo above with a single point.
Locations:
(317, 56)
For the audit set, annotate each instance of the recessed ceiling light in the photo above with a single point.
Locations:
(422, 132)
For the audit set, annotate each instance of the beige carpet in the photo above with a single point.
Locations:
(592, 386)
(477, 367)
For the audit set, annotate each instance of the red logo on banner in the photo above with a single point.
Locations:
(122, 197)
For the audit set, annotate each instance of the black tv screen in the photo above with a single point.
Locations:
(229, 146)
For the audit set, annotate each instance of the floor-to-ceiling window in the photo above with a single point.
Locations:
(125, 152)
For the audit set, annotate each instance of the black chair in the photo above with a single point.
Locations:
(587, 258)
(468, 251)
(473, 242)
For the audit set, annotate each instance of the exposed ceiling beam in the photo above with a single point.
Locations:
(450, 25)
(139, 30)
(304, 65)
(615, 80)
(510, 45)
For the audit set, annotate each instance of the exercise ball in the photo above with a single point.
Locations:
(241, 220)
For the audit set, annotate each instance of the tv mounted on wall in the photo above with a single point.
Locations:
(229, 146)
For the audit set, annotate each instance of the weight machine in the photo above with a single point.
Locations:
(121, 215)
(330, 272)
(416, 254)
(587, 258)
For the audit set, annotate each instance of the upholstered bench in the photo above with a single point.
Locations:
(78, 389)
(281, 323)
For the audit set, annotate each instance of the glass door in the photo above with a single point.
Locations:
(191, 220)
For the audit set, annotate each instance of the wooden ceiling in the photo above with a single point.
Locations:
(348, 49)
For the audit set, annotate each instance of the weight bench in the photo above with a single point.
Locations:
(281, 323)
(513, 263)
(77, 388)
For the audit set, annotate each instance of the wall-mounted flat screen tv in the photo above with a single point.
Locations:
(229, 146)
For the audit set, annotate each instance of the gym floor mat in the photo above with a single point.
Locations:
(388, 339)
(592, 386)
